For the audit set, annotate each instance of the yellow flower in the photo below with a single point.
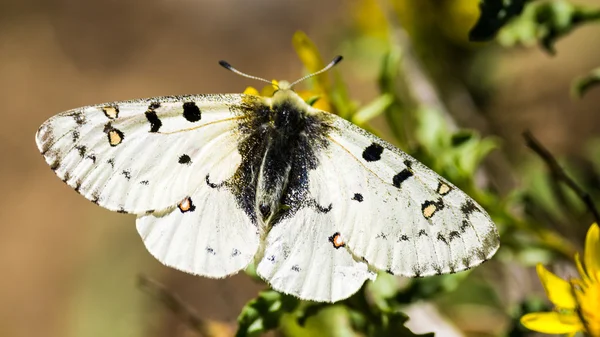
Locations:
(576, 302)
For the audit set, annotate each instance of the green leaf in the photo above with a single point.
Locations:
(494, 15)
(318, 319)
(546, 22)
(582, 84)
(264, 313)
(373, 109)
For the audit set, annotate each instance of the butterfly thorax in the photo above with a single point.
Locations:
(282, 151)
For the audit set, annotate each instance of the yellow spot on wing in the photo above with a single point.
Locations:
(429, 210)
(443, 189)
(114, 137)
(111, 112)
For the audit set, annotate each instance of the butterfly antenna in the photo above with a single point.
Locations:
(333, 62)
(228, 66)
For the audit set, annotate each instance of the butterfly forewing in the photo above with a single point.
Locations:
(396, 213)
(142, 155)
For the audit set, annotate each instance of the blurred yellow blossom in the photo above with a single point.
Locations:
(577, 301)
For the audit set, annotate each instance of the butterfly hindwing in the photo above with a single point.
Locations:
(138, 156)
(305, 257)
(396, 213)
(208, 233)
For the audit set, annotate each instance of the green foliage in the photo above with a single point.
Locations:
(546, 22)
(527, 23)
(264, 313)
(494, 15)
(271, 310)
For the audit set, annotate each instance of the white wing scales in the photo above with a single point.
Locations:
(301, 259)
(208, 234)
(132, 156)
(396, 213)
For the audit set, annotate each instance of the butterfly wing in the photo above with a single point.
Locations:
(142, 155)
(164, 159)
(394, 212)
(301, 258)
(207, 234)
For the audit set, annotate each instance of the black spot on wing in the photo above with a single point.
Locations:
(155, 122)
(55, 165)
(213, 185)
(81, 149)
(185, 159)
(440, 237)
(77, 185)
(296, 268)
(235, 252)
(401, 177)
(481, 254)
(422, 232)
(372, 152)
(417, 271)
(453, 235)
(468, 207)
(314, 204)
(389, 271)
(191, 112)
(210, 251)
(79, 117)
(463, 227)
(127, 174)
(467, 261)
(358, 197)
(403, 238)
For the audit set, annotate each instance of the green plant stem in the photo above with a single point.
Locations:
(559, 174)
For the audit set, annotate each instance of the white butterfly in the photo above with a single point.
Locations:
(220, 181)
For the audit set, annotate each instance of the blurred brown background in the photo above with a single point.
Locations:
(69, 267)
